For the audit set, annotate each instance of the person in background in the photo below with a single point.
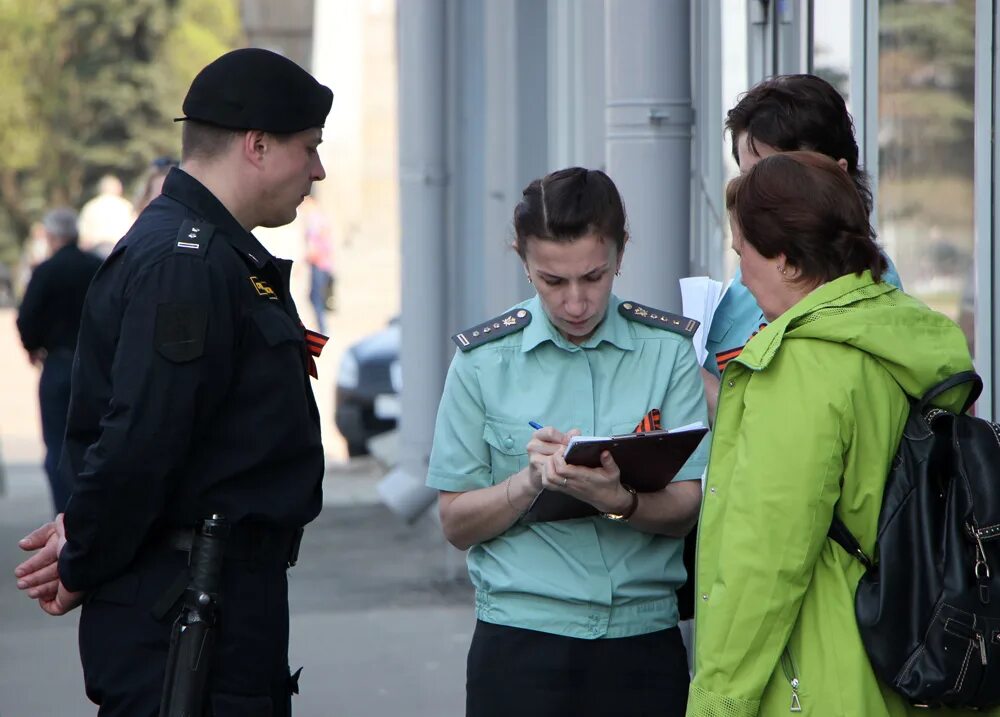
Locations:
(151, 182)
(780, 114)
(810, 417)
(48, 321)
(575, 617)
(105, 218)
(319, 254)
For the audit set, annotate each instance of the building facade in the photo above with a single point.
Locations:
(494, 93)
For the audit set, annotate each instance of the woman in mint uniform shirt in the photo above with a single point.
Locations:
(780, 114)
(576, 617)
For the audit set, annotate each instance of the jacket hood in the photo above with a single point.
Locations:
(919, 347)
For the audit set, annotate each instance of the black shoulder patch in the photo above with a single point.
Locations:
(193, 237)
(180, 331)
(661, 319)
(506, 323)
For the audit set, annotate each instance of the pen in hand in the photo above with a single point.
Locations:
(534, 424)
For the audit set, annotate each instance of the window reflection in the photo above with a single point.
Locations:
(831, 44)
(925, 183)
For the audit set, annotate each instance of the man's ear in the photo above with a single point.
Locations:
(843, 163)
(255, 146)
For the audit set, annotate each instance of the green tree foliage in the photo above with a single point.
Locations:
(927, 90)
(89, 87)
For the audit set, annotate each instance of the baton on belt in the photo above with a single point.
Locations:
(192, 640)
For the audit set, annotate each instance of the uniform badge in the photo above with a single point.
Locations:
(263, 289)
(496, 328)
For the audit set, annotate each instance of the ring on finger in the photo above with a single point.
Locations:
(565, 481)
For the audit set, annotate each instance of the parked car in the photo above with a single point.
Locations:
(368, 386)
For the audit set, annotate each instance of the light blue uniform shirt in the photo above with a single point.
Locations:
(738, 317)
(591, 577)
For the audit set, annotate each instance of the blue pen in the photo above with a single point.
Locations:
(535, 425)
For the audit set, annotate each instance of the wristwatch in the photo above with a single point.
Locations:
(628, 511)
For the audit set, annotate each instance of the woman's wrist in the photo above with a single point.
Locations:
(625, 505)
(519, 492)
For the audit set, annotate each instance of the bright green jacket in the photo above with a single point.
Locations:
(809, 417)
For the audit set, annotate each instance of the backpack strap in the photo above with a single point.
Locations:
(839, 534)
(949, 383)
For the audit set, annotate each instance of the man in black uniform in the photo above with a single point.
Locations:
(48, 321)
(192, 398)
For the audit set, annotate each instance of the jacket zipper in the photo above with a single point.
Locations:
(788, 667)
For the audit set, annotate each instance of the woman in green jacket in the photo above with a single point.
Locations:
(810, 415)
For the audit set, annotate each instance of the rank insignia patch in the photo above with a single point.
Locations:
(263, 289)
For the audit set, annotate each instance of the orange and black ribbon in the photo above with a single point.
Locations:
(315, 342)
(723, 358)
(649, 422)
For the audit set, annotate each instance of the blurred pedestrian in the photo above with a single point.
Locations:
(48, 321)
(192, 399)
(151, 182)
(575, 617)
(811, 416)
(105, 218)
(319, 254)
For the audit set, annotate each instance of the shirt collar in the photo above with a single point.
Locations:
(613, 329)
(182, 187)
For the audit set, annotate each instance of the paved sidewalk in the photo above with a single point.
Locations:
(382, 612)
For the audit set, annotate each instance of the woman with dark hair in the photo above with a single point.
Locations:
(576, 617)
(809, 418)
(780, 114)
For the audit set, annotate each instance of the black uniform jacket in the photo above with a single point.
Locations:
(190, 389)
(49, 317)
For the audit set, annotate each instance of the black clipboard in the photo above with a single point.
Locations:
(648, 462)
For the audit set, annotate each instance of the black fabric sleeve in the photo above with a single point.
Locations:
(31, 319)
(171, 369)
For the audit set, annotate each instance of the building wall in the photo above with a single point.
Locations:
(285, 26)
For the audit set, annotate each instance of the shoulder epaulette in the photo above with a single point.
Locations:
(193, 237)
(506, 323)
(661, 319)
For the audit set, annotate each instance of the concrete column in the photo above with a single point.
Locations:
(423, 186)
(576, 84)
(516, 150)
(649, 117)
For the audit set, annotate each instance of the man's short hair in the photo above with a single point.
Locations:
(206, 141)
(61, 223)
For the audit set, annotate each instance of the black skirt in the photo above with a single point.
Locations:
(524, 673)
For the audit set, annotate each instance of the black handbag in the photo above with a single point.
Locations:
(928, 607)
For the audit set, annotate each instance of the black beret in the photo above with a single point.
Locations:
(257, 89)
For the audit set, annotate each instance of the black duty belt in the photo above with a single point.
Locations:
(248, 543)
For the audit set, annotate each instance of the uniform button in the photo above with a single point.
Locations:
(704, 596)
(731, 383)
(711, 490)
(508, 441)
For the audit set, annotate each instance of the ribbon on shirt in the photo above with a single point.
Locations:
(315, 342)
(649, 422)
(723, 358)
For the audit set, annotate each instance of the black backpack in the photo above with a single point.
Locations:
(929, 609)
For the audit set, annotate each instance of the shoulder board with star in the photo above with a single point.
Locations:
(660, 319)
(193, 237)
(496, 328)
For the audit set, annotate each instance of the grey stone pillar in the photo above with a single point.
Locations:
(649, 117)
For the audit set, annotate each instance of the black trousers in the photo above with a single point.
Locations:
(53, 401)
(123, 648)
(534, 674)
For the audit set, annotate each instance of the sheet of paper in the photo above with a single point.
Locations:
(699, 298)
(591, 439)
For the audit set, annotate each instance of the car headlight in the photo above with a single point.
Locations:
(347, 376)
(396, 376)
